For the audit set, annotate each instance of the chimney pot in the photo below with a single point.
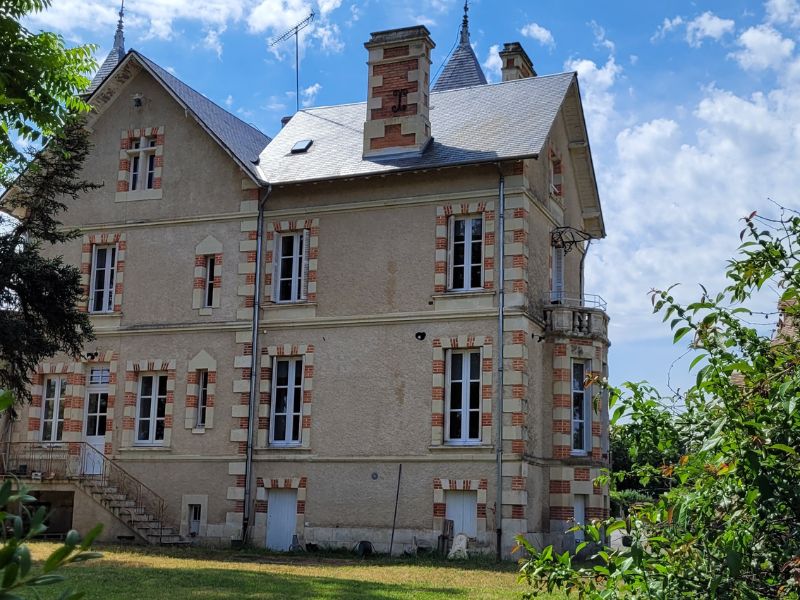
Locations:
(285, 120)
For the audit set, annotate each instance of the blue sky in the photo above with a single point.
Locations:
(693, 111)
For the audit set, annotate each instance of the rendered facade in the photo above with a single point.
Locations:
(387, 295)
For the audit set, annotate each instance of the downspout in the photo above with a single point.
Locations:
(498, 412)
(583, 259)
(252, 414)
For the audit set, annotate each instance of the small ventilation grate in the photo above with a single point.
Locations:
(301, 146)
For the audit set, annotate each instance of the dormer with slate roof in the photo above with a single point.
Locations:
(463, 69)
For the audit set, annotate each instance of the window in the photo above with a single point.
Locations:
(211, 272)
(287, 401)
(195, 510)
(466, 253)
(581, 410)
(97, 405)
(202, 397)
(142, 155)
(104, 264)
(292, 265)
(555, 175)
(463, 405)
(579, 515)
(557, 291)
(151, 410)
(53, 418)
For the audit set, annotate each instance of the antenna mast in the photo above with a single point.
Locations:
(294, 31)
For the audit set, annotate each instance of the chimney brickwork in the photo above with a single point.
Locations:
(516, 62)
(399, 91)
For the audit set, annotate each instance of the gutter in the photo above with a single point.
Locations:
(498, 412)
(252, 410)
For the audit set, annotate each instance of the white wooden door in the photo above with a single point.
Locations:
(462, 509)
(281, 518)
(94, 427)
(580, 515)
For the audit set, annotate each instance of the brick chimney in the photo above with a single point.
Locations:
(516, 62)
(399, 90)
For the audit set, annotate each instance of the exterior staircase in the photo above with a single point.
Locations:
(111, 486)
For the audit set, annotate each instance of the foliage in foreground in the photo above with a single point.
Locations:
(39, 80)
(39, 296)
(17, 571)
(729, 525)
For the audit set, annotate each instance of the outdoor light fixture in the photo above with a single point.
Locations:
(420, 335)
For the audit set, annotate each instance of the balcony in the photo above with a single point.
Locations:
(575, 315)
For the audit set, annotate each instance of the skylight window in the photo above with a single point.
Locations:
(301, 146)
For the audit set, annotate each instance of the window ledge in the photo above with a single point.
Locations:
(461, 447)
(151, 194)
(146, 449)
(463, 299)
(290, 311)
(104, 315)
(198, 430)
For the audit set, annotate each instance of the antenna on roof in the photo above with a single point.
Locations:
(294, 31)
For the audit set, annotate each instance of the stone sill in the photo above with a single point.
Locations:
(461, 447)
(460, 300)
(145, 449)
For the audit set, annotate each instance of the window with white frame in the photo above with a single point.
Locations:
(142, 159)
(287, 401)
(581, 407)
(466, 253)
(211, 273)
(53, 409)
(151, 409)
(202, 397)
(557, 290)
(104, 265)
(463, 402)
(195, 512)
(97, 402)
(291, 266)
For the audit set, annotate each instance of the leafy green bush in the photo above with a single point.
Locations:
(729, 526)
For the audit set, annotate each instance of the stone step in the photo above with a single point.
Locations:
(121, 503)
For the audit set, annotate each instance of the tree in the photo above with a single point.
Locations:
(39, 296)
(729, 527)
(39, 81)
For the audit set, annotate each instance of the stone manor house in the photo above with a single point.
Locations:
(368, 327)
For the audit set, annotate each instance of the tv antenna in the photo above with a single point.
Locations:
(294, 31)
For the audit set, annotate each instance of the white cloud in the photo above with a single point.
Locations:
(229, 101)
(666, 26)
(783, 12)
(598, 99)
(309, 94)
(707, 25)
(212, 40)
(633, 59)
(600, 39)
(538, 33)
(493, 65)
(328, 6)
(762, 47)
(329, 37)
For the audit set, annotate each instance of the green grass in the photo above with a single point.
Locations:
(128, 573)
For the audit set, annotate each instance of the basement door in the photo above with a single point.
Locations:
(95, 421)
(462, 509)
(281, 518)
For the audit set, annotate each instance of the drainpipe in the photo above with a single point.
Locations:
(255, 369)
(583, 259)
(498, 412)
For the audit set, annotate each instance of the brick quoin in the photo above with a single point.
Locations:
(559, 349)
(392, 137)
(517, 511)
(563, 513)
(395, 77)
(561, 451)
(560, 487)
(395, 52)
(518, 446)
(562, 401)
(439, 509)
(581, 474)
(517, 483)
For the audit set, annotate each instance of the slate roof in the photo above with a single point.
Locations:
(461, 70)
(241, 139)
(470, 125)
(112, 60)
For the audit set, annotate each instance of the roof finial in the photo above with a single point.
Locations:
(465, 24)
(119, 37)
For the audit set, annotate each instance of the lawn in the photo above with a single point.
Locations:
(128, 573)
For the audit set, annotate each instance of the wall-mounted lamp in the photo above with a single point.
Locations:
(420, 335)
(137, 101)
(537, 337)
(91, 355)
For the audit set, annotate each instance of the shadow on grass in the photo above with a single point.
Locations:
(322, 558)
(132, 583)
